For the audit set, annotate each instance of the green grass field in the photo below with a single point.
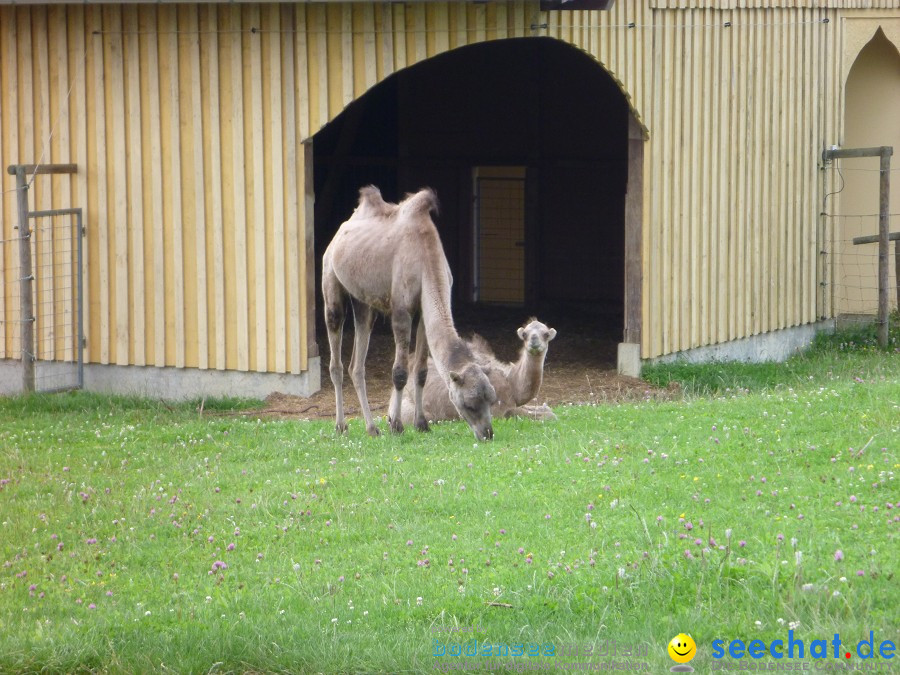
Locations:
(139, 537)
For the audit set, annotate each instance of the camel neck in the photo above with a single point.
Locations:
(526, 376)
(444, 342)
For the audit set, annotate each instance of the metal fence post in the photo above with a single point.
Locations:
(884, 209)
(26, 287)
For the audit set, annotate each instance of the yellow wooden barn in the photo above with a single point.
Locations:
(662, 159)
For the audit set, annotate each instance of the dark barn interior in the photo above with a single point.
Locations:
(525, 143)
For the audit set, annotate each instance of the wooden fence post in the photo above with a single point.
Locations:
(26, 286)
(883, 234)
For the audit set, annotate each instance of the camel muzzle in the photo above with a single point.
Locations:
(485, 434)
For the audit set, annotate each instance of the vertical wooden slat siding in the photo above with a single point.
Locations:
(45, 247)
(9, 147)
(809, 163)
(740, 282)
(779, 286)
(398, 22)
(240, 345)
(277, 138)
(188, 188)
(320, 61)
(199, 316)
(135, 184)
(117, 157)
(6, 281)
(209, 49)
(335, 69)
(795, 181)
(302, 200)
(700, 188)
(291, 253)
(458, 18)
(386, 39)
(77, 114)
(370, 59)
(98, 188)
(151, 174)
(192, 136)
(175, 311)
(350, 68)
(416, 16)
(307, 266)
(755, 151)
(708, 182)
(792, 208)
(225, 138)
(831, 116)
(255, 185)
(652, 336)
(666, 113)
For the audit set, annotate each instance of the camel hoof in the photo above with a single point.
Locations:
(341, 428)
(422, 425)
(396, 426)
(373, 431)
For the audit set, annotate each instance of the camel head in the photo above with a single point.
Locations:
(536, 336)
(473, 395)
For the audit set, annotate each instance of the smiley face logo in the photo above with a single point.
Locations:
(682, 648)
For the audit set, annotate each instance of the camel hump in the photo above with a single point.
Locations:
(421, 203)
(371, 203)
(480, 345)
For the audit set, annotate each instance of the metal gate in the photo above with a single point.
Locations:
(48, 282)
(56, 292)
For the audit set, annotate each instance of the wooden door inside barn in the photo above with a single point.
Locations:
(499, 235)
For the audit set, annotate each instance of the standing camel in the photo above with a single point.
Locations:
(516, 383)
(388, 258)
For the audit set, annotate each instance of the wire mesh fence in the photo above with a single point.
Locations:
(10, 297)
(865, 266)
(854, 285)
(40, 299)
(56, 255)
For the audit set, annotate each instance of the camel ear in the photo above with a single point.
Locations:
(521, 333)
(551, 334)
(455, 377)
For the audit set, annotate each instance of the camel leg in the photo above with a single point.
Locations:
(362, 320)
(401, 322)
(334, 323)
(420, 372)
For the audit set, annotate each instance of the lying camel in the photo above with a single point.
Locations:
(515, 383)
(388, 258)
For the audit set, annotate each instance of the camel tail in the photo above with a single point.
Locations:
(421, 203)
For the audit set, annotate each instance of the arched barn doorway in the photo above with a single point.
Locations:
(526, 142)
(872, 99)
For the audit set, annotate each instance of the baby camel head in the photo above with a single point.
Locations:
(536, 336)
(472, 393)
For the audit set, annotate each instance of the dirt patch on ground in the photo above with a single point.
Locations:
(580, 368)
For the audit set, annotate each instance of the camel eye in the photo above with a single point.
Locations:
(546, 336)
